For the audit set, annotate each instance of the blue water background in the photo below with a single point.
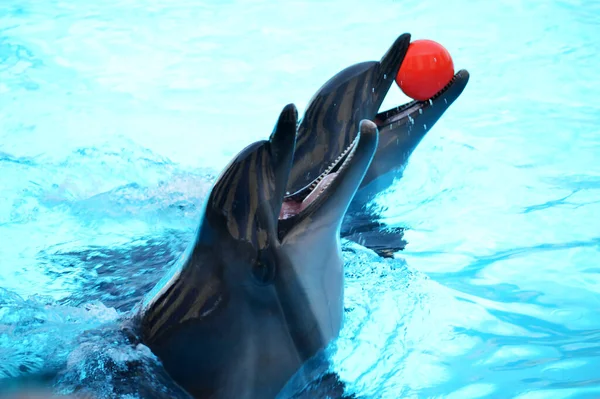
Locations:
(115, 115)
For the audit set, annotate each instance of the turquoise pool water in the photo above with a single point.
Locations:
(114, 116)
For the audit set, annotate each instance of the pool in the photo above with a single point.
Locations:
(108, 146)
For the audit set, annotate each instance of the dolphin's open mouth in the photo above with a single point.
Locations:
(400, 113)
(294, 204)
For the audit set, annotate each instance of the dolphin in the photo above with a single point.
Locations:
(260, 289)
(330, 124)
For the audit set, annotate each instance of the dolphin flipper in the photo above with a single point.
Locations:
(385, 241)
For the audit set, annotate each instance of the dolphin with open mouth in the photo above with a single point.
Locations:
(330, 124)
(260, 290)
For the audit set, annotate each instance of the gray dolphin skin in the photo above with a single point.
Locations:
(260, 290)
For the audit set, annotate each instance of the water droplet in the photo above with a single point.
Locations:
(434, 59)
(445, 101)
(372, 90)
(421, 111)
(430, 102)
(385, 75)
(424, 127)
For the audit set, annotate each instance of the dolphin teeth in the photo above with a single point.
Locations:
(295, 203)
(439, 93)
(327, 171)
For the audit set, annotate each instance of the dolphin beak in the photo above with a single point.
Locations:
(328, 197)
(338, 188)
(282, 144)
(402, 128)
(388, 67)
(426, 111)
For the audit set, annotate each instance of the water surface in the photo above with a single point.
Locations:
(116, 115)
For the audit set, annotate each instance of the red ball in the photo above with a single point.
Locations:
(426, 69)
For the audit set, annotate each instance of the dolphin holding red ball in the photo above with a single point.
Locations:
(424, 71)
(259, 293)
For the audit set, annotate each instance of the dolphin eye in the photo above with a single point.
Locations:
(263, 271)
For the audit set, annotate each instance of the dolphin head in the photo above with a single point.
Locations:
(356, 93)
(260, 290)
